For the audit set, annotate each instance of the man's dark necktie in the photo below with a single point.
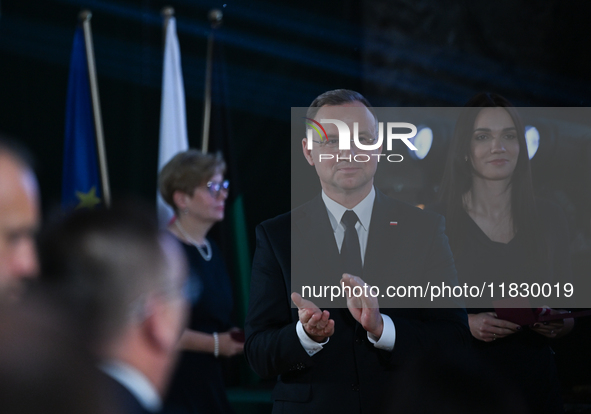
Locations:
(350, 250)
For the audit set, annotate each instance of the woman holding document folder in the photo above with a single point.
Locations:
(497, 229)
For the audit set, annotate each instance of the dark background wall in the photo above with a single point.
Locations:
(280, 55)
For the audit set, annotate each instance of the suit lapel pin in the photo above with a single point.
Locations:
(393, 223)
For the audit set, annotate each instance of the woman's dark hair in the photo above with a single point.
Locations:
(459, 172)
(186, 171)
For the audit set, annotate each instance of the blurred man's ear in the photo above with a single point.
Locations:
(162, 323)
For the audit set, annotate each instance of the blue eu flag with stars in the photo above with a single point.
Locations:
(81, 186)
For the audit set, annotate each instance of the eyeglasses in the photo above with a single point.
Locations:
(215, 188)
(332, 145)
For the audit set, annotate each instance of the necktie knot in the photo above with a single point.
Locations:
(349, 219)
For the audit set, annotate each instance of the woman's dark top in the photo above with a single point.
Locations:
(197, 385)
(525, 358)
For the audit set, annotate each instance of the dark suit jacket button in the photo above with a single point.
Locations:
(355, 387)
(358, 341)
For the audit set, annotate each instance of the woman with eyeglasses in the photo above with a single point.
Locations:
(498, 231)
(193, 184)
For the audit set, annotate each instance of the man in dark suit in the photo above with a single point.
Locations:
(343, 360)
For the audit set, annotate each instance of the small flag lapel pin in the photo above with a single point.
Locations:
(393, 223)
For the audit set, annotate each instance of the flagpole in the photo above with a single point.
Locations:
(215, 18)
(85, 16)
(167, 12)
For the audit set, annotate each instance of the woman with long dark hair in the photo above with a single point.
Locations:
(497, 227)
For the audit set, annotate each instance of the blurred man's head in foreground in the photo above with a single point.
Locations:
(123, 279)
(19, 220)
